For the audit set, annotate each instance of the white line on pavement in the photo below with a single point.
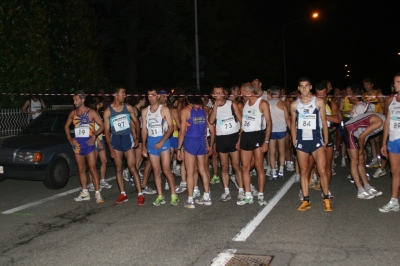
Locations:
(252, 225)
(45, 200)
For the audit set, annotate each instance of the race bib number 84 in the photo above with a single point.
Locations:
(307, 121)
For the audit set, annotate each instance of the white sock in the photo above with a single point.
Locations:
(280, 169)
(196, 188)
(260, 195)
(174, 164)
(241, 189)
(393, 200)
(248, 194)
(206, 196)
(190, 199)
(226, 190)
(85, 191)
(123, 192)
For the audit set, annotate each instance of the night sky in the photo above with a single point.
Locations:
(362, 34)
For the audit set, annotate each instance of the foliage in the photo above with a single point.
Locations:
(47, 47)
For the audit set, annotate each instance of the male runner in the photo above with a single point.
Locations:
(157, 131)
(83, 146)
(121, 121)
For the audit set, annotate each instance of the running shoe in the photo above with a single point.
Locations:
(203, 201)
(373, 164)
(82, 197)
(253, 172)
(126, 174)
(343, 162)
(121, 199)
(225, 197)
(374, 192)
(317, 186)
(90, 187)
(280, 175)
(215, 180)
(254, 191)
(378, 173)
(274, 177)
(241, 196)
(289, 167)
(268, 172)
(233, 179)
(296, 177)
(141, 172)
(132, 181)
(333, 172)
(174, 200)
(327, 205)
(196, 193)
(177, 171)
(265, 164)
(364, 195)
(166, 186)
(336, 154)
(305, 205)
(179, 189)
(159, 200)
(261, 201)
(245, 201)
(147, 190)
(140, 200)
(104, 184)
(390, 207)
(301, 195)
(189, 205)
(98, 197)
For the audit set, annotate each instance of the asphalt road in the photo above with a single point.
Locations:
(59, 231)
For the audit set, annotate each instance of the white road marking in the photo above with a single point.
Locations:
(35, 203)
(252, 225)
(223, 257)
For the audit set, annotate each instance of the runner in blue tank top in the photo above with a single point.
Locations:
(308, 119)
(193, 137)
(120, 120)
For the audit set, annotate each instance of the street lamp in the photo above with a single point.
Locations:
(314, 16)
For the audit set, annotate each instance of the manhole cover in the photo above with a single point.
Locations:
(226, 259)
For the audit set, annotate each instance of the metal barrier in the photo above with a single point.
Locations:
(12, 121)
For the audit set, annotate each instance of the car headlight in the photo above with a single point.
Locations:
(28, 157)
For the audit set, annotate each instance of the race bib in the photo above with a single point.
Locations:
(394, 123)
(82, 131)
(307, 121)
(249, 122)
(227, 124)
(120, 122)
(154, 129)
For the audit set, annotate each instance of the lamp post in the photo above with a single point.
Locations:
(314, 15)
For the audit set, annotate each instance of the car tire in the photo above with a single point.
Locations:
(57, 175)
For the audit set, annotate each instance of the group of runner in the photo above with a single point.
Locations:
(248, 131)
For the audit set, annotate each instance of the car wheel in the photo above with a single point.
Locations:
(57, 175)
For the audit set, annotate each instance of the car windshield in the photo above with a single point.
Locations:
(47, 123)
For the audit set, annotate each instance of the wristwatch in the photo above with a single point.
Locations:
(266, 141)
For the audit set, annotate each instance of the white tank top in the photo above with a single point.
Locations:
(225, 120)
(35, 106)
(309, 125)
(155, 123)
(264, 96)
(277, 116)
(253, 119)
(394, 127)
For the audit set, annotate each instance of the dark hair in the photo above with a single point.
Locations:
(396, 75)
(95, 101)
(357, 91)
(320, 86)
(81, 94)
(233, 88)
(304, 79)
(157, 90)
(116, 89)
(170, 101)
(193, 96)
(367, 80)
(135, 100)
